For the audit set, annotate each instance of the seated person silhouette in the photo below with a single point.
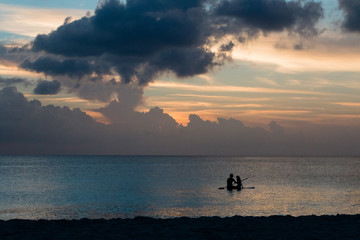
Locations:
(229, 182)
(239, 185)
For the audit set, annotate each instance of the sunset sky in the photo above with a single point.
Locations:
(268, 64)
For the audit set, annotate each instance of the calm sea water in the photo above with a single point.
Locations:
(72, 187)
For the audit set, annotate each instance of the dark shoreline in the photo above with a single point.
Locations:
(273, 227)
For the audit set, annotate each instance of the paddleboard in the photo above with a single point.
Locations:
(236, 188)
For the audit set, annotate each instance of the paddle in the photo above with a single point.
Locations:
(225, 187)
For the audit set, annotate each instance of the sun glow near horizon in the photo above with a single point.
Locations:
(255, 77)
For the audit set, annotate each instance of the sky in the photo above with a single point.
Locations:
(227, 77)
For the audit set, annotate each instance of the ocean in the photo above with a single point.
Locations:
(74, 187)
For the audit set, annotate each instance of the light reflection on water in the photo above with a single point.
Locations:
(107, 187)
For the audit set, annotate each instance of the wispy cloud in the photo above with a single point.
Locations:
(348, 104)
(208, 78)
(219, 88)
(218, 97)
(187, 105)
(65, 99)
(13, 70)
(267, 81)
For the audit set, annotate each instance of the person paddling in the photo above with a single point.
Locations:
(229, 182)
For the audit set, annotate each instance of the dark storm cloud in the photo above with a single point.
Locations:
(351, 9)
(184, 62)
(141, 39)
(54, 67)
(138, 28)
(132, 38)
(273, 15)
(47, 87)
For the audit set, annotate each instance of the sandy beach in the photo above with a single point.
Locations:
(274, 227)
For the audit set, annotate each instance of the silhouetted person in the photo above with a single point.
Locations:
(239, 185)
(229, 182)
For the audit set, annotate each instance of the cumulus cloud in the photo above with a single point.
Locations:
(141, 39)
(154, 121)
(27, 127)
(25, 123)
(134, 42)
(56, 67)
(272, 15)
(137, 28)
(351, 9)
(44, 87)
(122, 108)
(137, 39)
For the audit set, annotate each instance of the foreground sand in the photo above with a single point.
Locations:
(275, 227)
